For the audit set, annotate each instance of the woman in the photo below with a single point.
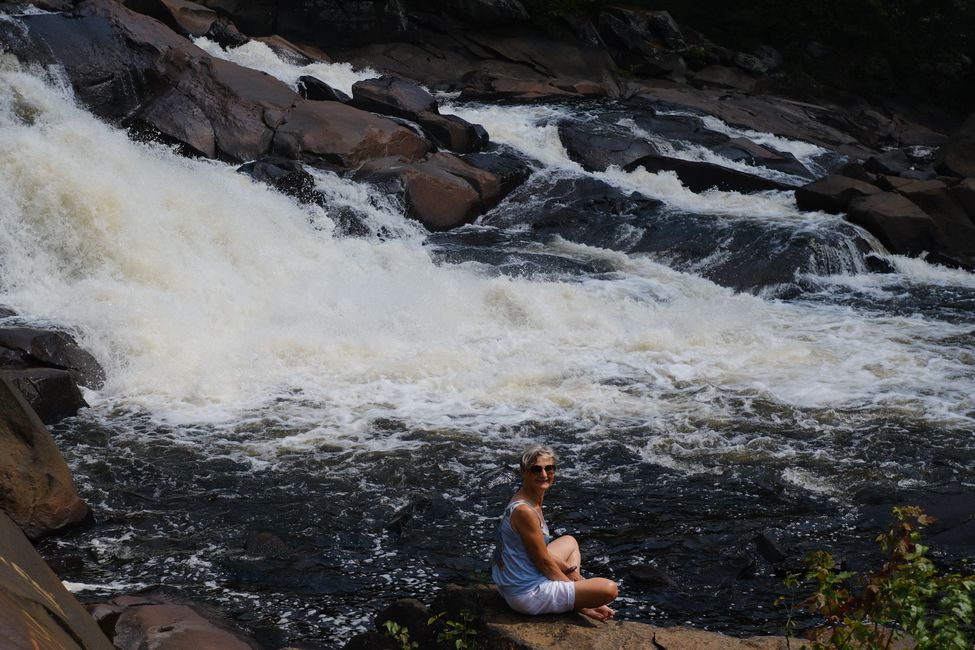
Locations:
(534, 573)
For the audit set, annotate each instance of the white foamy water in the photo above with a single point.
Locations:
(257, 55)
(211, 299)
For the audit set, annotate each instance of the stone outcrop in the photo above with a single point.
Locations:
(909, 217)
(137, 622)
(52, 393)
(957, 156)
(36, 611)
(36, 488)
(25, 347)
(132, 70)
(482, 610)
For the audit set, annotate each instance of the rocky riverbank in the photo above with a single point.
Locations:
(908, 184)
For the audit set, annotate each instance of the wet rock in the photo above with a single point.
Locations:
(53, 394)
(855, 170)
(154, 622)
(36, 488)
(597, 148)
(748, 152)
(319, 91)
(453, 133)
(507, 165)
(266, 545)
(957, 156)
(833, 194)
(769, 548)
(392, 96)
(700, 176)
(286, 176)
(441, 191)
(225, 34)
(24, 347)
(891, 183)
(299, 55)
(36, 611)
(647, 574)
(344, 136)
(900, 225)
(182, 16)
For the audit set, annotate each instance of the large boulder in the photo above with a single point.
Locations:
(598, 147)
(181, 16)
(25, 347)
(36, 611)
(52, 393)
(833, 194)
(253, 18)
(36, 488)
(132, 70)
(441, 191)
(964, 193)
(899, 224)
(344, 136)
(497, 626)
(138, 622)
(700, 176)
(392, 96)
(957, 156)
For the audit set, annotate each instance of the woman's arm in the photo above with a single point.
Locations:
(525, 522)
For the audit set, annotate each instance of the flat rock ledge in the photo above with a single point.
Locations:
(499, 628)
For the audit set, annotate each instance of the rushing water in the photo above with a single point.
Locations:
(364, 398)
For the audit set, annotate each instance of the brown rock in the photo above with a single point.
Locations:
(52, 393)
(344, 136)
(503, 629)
(899, 224)
(36, 611)
(169, 626)
(181, 16)
(833, 193)
(453, 132)
(36, 489)
(392, 96)
(441, 191)
(292, 52)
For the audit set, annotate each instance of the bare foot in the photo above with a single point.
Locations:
(602, 613)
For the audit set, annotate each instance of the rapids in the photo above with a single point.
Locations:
(362, 398)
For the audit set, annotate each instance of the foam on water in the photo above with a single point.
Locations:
(211, 299)
(257, 55)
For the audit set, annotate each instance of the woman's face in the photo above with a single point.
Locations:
(541, 473)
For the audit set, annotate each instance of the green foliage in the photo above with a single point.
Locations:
(401, 635)
(905, 598)
(456, 635)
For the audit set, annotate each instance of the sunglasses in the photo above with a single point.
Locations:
(538, 469)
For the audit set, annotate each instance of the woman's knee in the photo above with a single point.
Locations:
(608, 588)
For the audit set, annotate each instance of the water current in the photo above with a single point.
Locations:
(364, 398)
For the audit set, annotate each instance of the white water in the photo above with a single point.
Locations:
(211, 299)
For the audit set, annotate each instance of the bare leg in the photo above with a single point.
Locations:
(593, 596)
(566, 548)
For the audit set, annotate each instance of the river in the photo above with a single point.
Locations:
(364, 398)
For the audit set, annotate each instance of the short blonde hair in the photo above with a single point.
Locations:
(532, 452)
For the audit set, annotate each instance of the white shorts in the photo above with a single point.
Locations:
(550, 597)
